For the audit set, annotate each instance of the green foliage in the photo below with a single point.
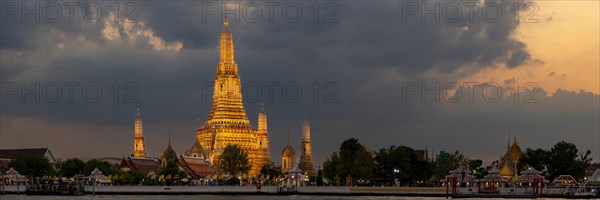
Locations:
(450, 162)
(133, 177)
(535, 158)
(31, 165)
(476, 168)
(270, 172)
(332, 166)
(564, 159)
(353, 159)
(234, 160)
(403, 159)
(71, 167)
(105, 167)
(171, 169)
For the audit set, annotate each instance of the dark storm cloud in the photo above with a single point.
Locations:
(367, 54)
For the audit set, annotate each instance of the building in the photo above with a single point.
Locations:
(288, 157)
(422, 154)
(6, 155)
(263, 136)
(142, 165)
(138, 139)
(306, 162)
(197, 166)
(508, 162)
(227, 123)
(168, 155)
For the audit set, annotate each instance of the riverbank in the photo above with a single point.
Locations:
(314, 191)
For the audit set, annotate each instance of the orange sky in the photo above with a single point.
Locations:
(566, 40)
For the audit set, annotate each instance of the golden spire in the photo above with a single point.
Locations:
(305, 130)
(226, 45)
(262, 119)
(138, 140)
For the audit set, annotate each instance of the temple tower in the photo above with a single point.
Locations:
(263, 136)
(138, 140)
(227, 122)
(306, 162)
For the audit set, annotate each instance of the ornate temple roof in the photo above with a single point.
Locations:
(493, 176)
(197, 168)
(169, 154)
(529, 176)
(511, 157)
(143, 165)
(196, 151)
(515, 150)
(288, 151)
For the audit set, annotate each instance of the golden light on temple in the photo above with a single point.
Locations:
(138, 141)
(227, 122)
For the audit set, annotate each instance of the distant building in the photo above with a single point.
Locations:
(306, 162)
(288, 157)
(422, 154)
(111, 160)
(196, 151)
(169, 155)
(196, 166)
(508, 162)
(142, 165)
(6, 155)
(138, 140)
(441, 156)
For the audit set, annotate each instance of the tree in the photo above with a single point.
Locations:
(353, 160)
(450, 162)
(535, 158)
(171, 170)
(234, 160)
(332, 166)
(404, 160)
(105, 167)
(269, 173)
(564, 159)
(31, 165)
(363, 166)
(71, 167)
(475, 167)
(133, 177)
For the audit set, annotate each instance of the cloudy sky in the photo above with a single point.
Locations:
(363, 69)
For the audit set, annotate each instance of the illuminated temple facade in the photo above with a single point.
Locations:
(306, 162)
(227, 122)
(508, 162)
(138, 140)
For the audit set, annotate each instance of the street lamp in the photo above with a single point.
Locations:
(395, 171)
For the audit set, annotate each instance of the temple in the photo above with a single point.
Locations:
(138, 140)
(227, 122)
(508, 162)
(288, 157)
(306, 162)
